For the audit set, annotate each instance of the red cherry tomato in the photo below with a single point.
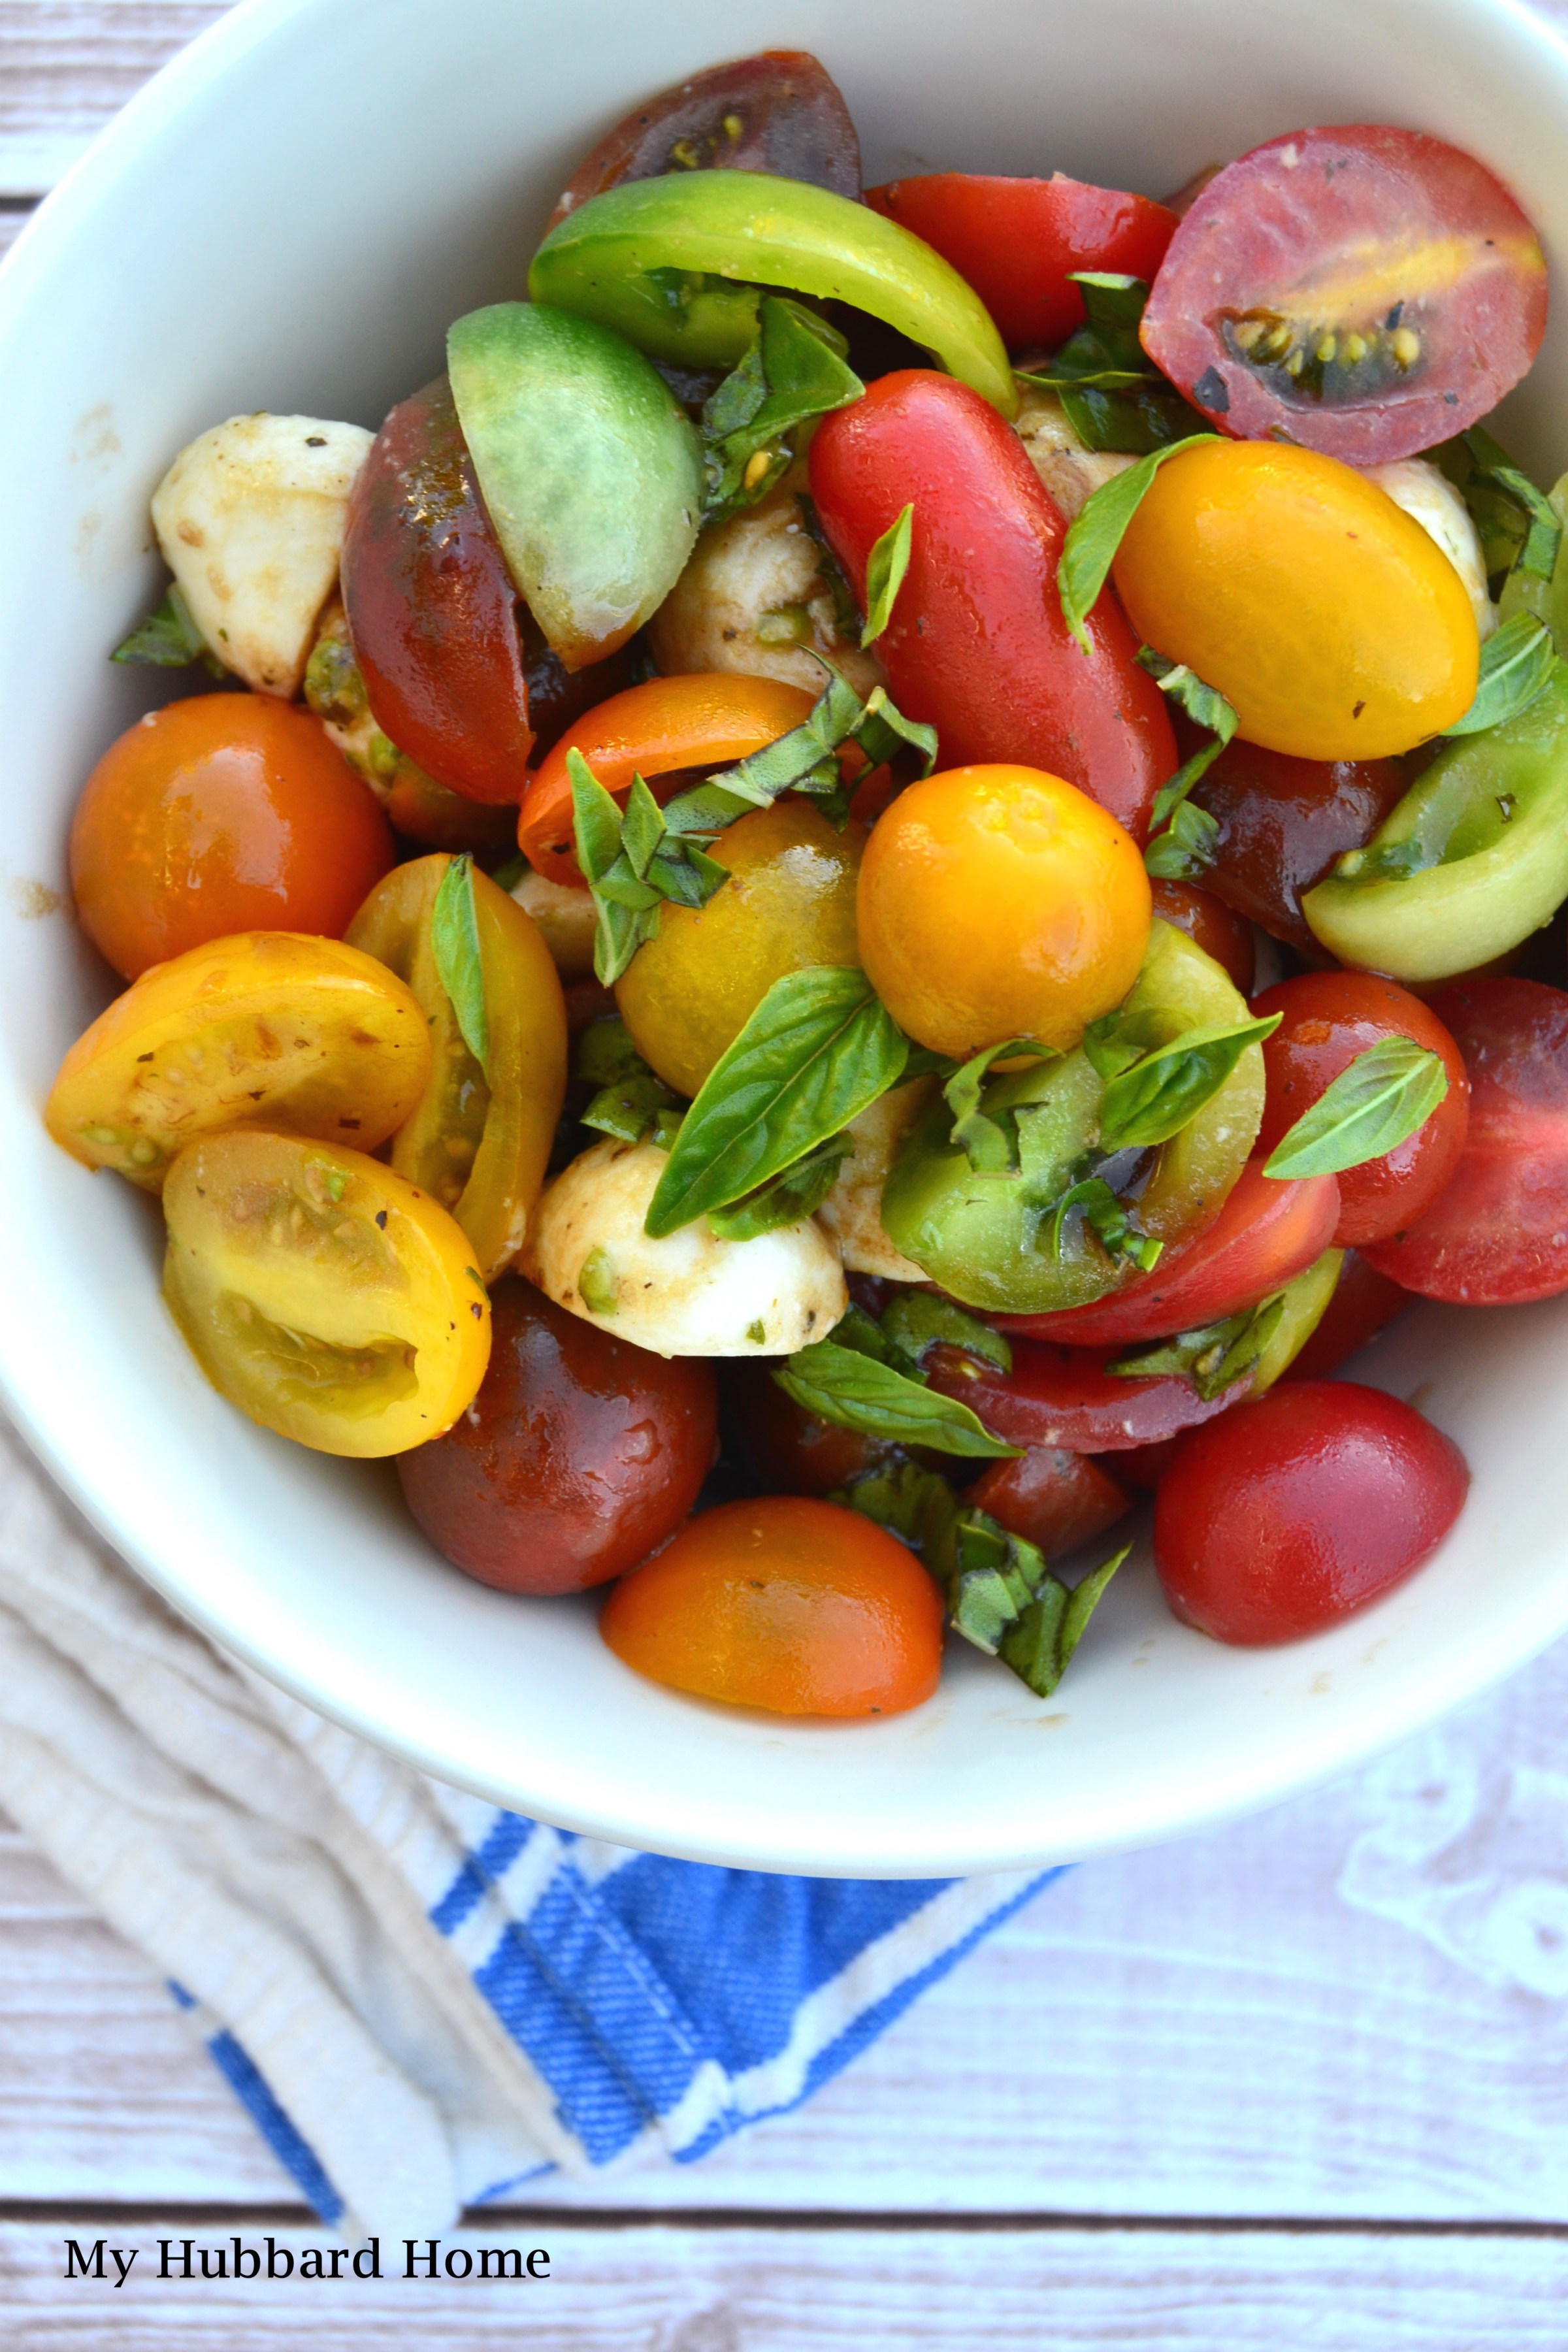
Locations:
(1364, 1303)
(1282, 822)
(1143, 1466)
(1364, 291)
(225, 813)
(1053, 1498)
(1066, 1397)
(1017, 241)
(580, 1454)
(977, 645)
(431, 606)
(1295, 1510)
(1267, 1233)
(1499, 1234)
(1217, 927)
(1327, 1018)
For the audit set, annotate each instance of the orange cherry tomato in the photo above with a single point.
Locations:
(1000, 902)
(225, 812)
(653, 730)
(801, 1607)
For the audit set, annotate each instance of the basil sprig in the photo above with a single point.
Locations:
(1112, 395)
(1214, 1357)
(1517, 662)
(795, 369)
(1376, 1101)
(818, 1050)
(1090, 549)
(1207, 708)
(856, 1390)
(885, 569)
(169, 638)
(1152, 1098)
(459, 964)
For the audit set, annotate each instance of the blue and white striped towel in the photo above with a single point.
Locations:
(422, 2000)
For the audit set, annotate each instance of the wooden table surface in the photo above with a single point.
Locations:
(1302, 2081)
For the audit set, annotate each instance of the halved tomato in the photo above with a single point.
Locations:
(1366, 291)
(1067, 1397)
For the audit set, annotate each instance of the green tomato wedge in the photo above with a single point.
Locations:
(1472, 860)
(674, 264)
(1305, 1302)
(591, 471)
(985, 1237)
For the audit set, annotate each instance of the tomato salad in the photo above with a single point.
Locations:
(876, 882)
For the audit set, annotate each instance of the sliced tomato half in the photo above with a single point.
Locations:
(1067, 1397)
(1268, 1232)
(1365, 291)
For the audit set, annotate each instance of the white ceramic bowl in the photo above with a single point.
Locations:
(287, 218)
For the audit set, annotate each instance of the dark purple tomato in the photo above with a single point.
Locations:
(1287, 1514)
(580, 1454)
(787, 1450)
(1053, 1498)
(1282, 822)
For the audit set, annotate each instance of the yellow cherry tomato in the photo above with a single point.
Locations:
(324, 1295)
(1000, 902)
(789, 902)
(480, 1137)
(1329, 620)
(265, 1029)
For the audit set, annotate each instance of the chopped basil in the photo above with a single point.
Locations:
(818, 1050)
(1154, 1098)
(1517, 662)
(633, 864)
(794, 369)
(1203, 704)
(1111, 394)
(459, 963)
(1187, 848)
(916, 1322)
(1517, 528)
(1039, 1648)
(799, 1191)
(885, 569)
(1091, 543)
(169, 638)
(1214, 1356)
(635, 1106)
(1376, 1101)
(990, 1148)
(1110, 1222)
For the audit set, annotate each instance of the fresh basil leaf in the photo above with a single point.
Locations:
(1107, 1218)
(885, 569)
(1111, 394)
(854, 1329)
(604, 1054)
(169, 638)
(914, 1503)
(916, 1322)
(459, 962)
(633, 864)
(1187, 848)
(1529, 522)
(816, 1052)
(799, 1191)
(1214, 1357)
(1207, 706)
(1157, 1096)
(990, 1148)
(1096, 534)
(1039, 1648)
(995, 1576)
(855, 1391)
(1376, 1101)
(794, 369)
(1517, 662)
(635, 1106)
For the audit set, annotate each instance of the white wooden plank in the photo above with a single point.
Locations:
(684, 2290)
(67, 66)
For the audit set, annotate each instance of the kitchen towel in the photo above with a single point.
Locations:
(424, 2001)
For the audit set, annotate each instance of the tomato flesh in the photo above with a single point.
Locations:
(1283, 823)
(1327, 1018)
(1051, 1497)
(1066, 1397)
(1017, 241)
(1365, 291)
(1267, 1233)
(579, 1455)
(977, 645)
(1499, 1233)
(1294, 1511)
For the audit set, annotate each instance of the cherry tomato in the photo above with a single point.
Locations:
(431, 605)
(225, 813)
(785, 1449)
(262, 1030)
(480, 1137)
(326, 1297)
(1267, 1233)
(1066, 1397)
(1296, 1510)
(1499, 1234)
(1327, 1019)
(1364, 290)
(1000, 902)
(1328, 619)
(778, 112)
(1364, 1303)
(1283, 822)
(1053, 1498)
(1217, 927)
(1017, 241)
(787, 1603)
(1143, 1466)
(579, 1455)
(659, 729)
(977, 645)
(688, 994)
